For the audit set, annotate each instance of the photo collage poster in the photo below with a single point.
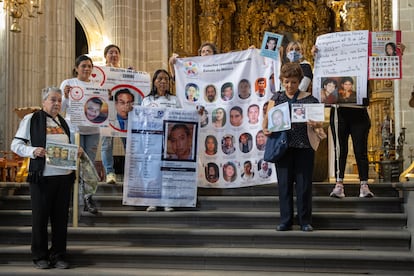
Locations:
(234, 89)
(385, 57)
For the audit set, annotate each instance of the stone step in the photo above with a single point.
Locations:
(92, 270)
(383, 189)
(389, 240)
(246, 259)
(234, 203)
(232, 231)
(218, 219)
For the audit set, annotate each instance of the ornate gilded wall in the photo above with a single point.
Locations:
(237, 24)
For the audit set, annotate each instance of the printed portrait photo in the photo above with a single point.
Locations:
(179, 141)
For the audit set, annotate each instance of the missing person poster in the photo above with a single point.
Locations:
(271, 45)
(384, 55)
(279, 118)
(125, 88)
(61, 156)
(88, 106)
(302, 113)
(341, 66)
(160, 160)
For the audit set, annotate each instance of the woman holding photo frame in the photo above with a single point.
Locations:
(50, 187)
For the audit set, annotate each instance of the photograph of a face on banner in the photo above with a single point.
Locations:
(179, 141)
(279, 118)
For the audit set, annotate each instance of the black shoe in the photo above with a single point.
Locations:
(90, 205)
(41, 264)
(306, 228)
(61, 264)
(283, 227)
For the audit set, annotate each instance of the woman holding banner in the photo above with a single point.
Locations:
(350, 120)
(160, 96)
(89, 135)
(112, 54)
(206, 49)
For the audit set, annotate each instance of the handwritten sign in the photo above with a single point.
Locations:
(340, 55)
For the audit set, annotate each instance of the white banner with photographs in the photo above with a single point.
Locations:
(160, 159)
(341, 68)
(129, 86)
(234, 88)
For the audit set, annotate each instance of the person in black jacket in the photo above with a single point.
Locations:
(50, 187)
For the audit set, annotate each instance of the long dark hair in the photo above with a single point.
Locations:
(154, 91)
(78, 61)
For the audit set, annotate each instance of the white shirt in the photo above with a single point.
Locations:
(162, 101)
(27, 150)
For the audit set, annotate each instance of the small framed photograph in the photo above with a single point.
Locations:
(61, 156)
(270, 45)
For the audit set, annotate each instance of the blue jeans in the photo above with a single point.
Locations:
(88, 142)
(107, 155)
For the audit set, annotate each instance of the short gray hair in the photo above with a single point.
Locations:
(47, 90)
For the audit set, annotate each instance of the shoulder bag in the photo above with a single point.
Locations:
(277, 142)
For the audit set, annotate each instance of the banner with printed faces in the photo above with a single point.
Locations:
(234, 89)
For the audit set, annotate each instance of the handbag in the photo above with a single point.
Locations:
(276, 146)
(277, 142)
(315, 135)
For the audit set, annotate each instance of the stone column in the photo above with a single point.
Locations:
(41, 55)
(139, 28)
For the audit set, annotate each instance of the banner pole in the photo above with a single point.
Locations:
(76, 188)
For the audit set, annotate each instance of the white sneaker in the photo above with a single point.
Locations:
(111, 178)
(168, 209)
(338, 191)
(151, 209)
(364, 191)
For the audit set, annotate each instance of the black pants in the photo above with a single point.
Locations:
(296, 166)
(50, 198)
(354, 122)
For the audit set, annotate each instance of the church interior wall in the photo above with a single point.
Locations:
(44, 52)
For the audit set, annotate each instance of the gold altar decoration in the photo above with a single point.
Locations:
(18, 8)
(237, 24)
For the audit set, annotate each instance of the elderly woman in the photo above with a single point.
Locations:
(295, 168)
(50, 187)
